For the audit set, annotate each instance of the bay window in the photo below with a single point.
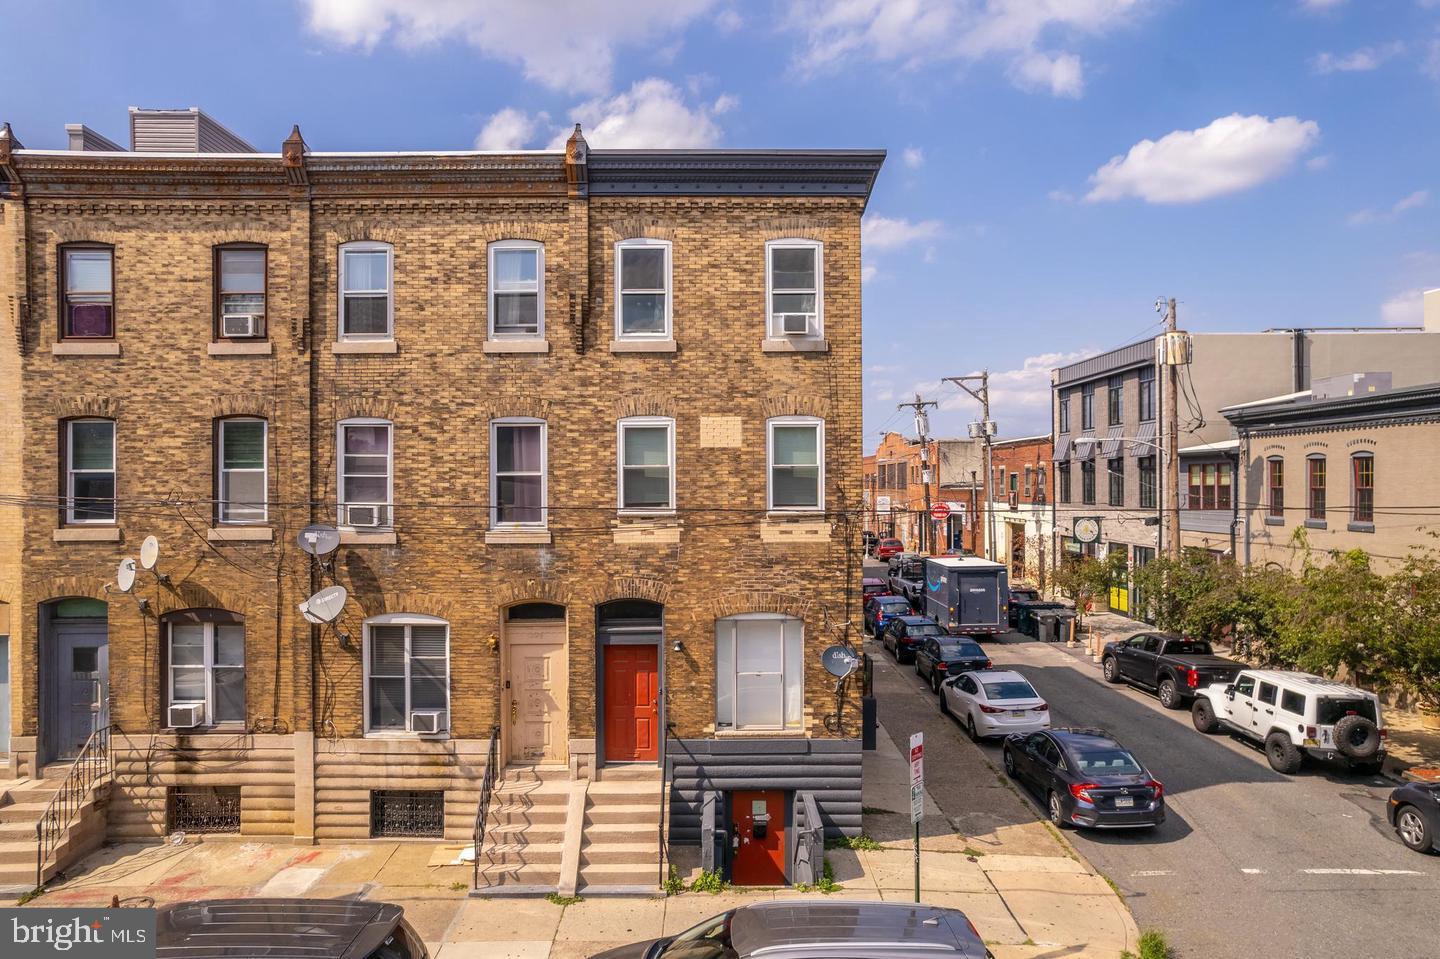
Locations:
(517, 300)
(759, 671)
(796, 470)
(517, 472)
(642, 289)
(407, 671)
(647, 464)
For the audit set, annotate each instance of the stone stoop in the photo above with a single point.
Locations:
(525, 831)
(21, 806)
(620, 845)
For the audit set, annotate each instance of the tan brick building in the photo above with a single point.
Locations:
(1022, 502)
(588, 424)
(895, 489)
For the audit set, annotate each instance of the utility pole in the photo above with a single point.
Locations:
(985, 432)
(922, 428)
(1174, 352)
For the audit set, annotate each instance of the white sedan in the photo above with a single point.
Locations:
(994, 702)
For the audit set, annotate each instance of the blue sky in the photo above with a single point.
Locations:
(1055, 165)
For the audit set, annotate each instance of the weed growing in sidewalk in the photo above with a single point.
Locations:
(458, 886)
(861, 841)
(673, 883)
(826, 884)
(556, 899)
(1113, 888)
(1152, 946)
(709, 881)
(972, 852)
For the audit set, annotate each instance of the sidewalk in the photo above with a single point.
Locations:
(1413, 749)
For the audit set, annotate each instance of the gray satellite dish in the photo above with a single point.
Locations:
(125, 575)
(149, 552)
(317, 539)
(839, 661)
(325, 605)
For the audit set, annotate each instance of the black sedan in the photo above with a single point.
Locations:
(904, 634)
(942, 656)
(1414, 812)
(1086, 778)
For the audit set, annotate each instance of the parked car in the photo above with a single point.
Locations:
(1086, 778)
(996, 702)
(900, 559)
(904, 634)
(879, 608)
(1173, 666)
(872, 586)
(1414, 812)
(907, 578)
(820, 929)
(868, 539)
(1018, 595)
(1296, 715)
(315, 928)
(888, 547)
(943, 656)
(967, 595)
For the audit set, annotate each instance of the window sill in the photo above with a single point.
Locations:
(85, 348)
(367, 537)
(1360, 527)
(240, 348)
(517, 537)
(364, 346)
(642, 346)
(240, 534)
(87, 534)
(1274, 521)
(213, 729)
(403, 735)
(761, 734)
(516, 346)
(1315, 524)
(794, 344)
(639, 530)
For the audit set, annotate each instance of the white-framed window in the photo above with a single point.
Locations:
(207, 668)
(795, 477)
(646, 454)
(795, 287)
(642, 289)
(517, 472)
(407, 670)
(242, 461)
(367, 300)
(517, 289)
(90, 471)
(759, 671)
(365, 472)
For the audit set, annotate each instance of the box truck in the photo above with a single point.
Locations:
(967, 595)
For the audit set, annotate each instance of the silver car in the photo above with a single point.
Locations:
(996, 702)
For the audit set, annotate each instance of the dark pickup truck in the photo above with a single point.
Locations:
(907, 578)
(1173, 666)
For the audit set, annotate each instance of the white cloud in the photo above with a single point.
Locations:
(1060, 74)
(510, 129)
(892, 233)
(1318, 163)
(1231, 154)
(1405, 308)
(1019, 398)
(868, 272)
(912, 33)
(563, 44)
(1406, 203)
(1321, 6)
(913, 157)
(651, 114)
(1357, 61)
(727, 21)
(1060, 196)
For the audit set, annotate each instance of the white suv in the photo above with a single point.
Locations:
(1296, 715)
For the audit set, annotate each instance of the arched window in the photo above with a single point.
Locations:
(517, 289)
(759, 671)
(88, 471)
(205, 668)
(1275, 488)
(407, 674)
(241, 470)
(1315, 477)
(367, 296)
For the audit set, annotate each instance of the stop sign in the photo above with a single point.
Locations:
(939, 511)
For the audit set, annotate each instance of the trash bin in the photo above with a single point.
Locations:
(1045, 626)
(1064, 618)
(1030, 615)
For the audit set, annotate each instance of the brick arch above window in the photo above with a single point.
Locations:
(762, 601)
(365, 408)
(533, 590)
(86, 404)
(633, 587)
(246, 236)
(80, 232)
(362, 230)
(797, 228)
(403, 601)
(645, 404)
(794, 404)
(493, 232)
(643, 228)
(189, 595)
(52, 588)
(240, 404)
(533, 407)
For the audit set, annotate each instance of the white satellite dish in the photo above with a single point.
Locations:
(325, 605)
(125, 575)
(149, 552)
(317, 539)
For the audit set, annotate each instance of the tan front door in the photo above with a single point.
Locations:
(538, 692)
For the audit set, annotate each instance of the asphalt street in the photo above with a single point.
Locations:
(1249, 863)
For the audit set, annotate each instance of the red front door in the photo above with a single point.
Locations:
(632, 703)
(757, 821)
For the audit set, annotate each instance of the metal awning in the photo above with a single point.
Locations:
(1110, 445)
(1062, 449)
(1146, 435)
(1086, 450)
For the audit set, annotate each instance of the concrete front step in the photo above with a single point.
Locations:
(645, 773)
(523, 853)
(623, 812)
(620, 874)
(27, 812)
(626, 790)
(32, 790)
(512, 833)
(516, 874)
(17, 831)
(531, 794)
(618, 853)
(535, 774)
(601, 832)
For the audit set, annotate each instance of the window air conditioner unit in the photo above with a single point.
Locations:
(240, 324)
(795, 324)
(188, 716)
(368, 515)
(429, 721)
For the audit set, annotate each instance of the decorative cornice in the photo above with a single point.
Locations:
(1420, 404)
(735, 172)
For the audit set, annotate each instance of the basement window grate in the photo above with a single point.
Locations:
(202, 809)
(407, 813)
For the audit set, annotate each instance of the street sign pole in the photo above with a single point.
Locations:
(917, 796)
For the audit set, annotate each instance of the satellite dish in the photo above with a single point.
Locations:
(149, 552)
(839, 661)
(325, 605)
(125, 575)
(317, 539)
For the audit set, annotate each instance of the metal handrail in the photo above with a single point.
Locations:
(482, 809)
(89, 767)
(664, 793)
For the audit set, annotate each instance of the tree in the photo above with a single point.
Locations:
(1414, 595)
(1083, 578)
(1342, 621)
